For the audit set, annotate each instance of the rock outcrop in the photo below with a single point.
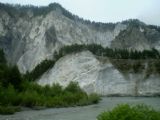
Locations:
(30, 39)
(101, 76)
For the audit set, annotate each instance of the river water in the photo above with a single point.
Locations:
(82, 113)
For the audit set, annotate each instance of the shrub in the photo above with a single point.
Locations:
(93, 98)
(8, 96)
(73, 87)
(56, 89)
(126, 112)
(34, 95)
(31, 98)
(5, 110)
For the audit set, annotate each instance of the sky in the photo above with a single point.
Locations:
(105, 11)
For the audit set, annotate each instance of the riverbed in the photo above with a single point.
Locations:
(82, 113)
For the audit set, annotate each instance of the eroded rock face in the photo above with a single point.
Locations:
(28, 40)
(137, 38)
(150, 86)
(101, 77)
(81, 67)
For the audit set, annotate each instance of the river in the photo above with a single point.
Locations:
(82, 113)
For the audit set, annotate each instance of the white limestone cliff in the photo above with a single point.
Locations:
(40, 36)
(100, 77)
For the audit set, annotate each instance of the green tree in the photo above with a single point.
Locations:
(2, 57)
(15, 77)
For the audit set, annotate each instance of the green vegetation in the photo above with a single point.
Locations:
(108, 52)
(148, 67)
(39, 70)
(7, 110)
(9, 75)
(18, 90)
(32, 95)
(98, 50)
(2, 57)
(126, 112)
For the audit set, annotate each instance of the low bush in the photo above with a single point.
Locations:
(126, 112)
(6, 110)
(94, 98)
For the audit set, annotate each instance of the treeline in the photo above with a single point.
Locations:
(39, 70)
(18, 90)
(137, 23)
(109, 52)
(2, 57)
(9, 75)
(134, 23)
(97, 50)
(154, 27)
(19, 10)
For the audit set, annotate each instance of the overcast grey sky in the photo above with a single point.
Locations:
(106, 10)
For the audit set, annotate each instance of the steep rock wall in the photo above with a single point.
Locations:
(28, 40)
(30, 34)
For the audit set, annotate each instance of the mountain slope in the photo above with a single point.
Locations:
(30, 34)
(28, 39)
(138, 36)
